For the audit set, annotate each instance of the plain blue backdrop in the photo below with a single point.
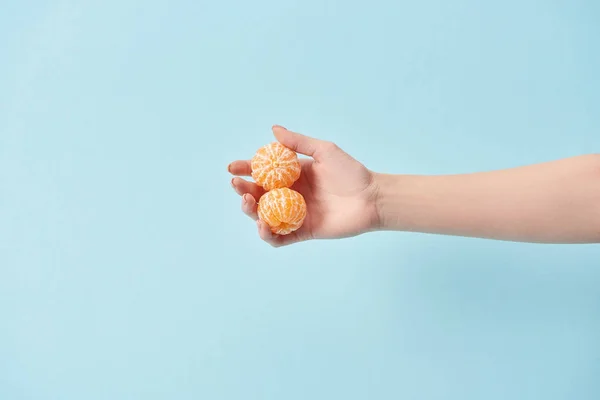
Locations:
(128, 271)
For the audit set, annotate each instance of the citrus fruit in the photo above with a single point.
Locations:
(283, 209)
(275, 166)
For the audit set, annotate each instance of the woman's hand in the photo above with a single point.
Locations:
(340, 192)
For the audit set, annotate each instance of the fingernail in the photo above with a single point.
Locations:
(245, 199)
(229, 168)
(232, 183)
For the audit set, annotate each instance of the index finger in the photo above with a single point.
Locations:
(240, 168)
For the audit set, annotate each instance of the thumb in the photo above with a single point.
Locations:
(299, 143)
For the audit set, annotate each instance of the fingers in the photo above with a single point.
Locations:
(300, 143)
(249, 206)
(250, 192)
(240, 168)
(265, 233)
(274, 240)
(242, 186)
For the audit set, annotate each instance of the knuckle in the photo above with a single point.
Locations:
(330, 146)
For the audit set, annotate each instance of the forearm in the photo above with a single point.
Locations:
(554, 202)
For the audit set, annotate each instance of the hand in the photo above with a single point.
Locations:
(339, 191)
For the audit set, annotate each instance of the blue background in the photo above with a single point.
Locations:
(128, 271)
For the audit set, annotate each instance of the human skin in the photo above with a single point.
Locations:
(551, 202)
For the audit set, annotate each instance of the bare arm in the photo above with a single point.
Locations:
(553, 202)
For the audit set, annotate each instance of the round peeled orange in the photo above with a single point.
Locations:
(283, 210)
(275, 166)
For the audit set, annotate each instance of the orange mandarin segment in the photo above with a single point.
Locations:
(275, 166)
(283, 210)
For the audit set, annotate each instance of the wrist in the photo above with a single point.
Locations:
(406, 202)
(387, 197)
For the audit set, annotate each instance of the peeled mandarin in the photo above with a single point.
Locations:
(275, 166)
(283, 210)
